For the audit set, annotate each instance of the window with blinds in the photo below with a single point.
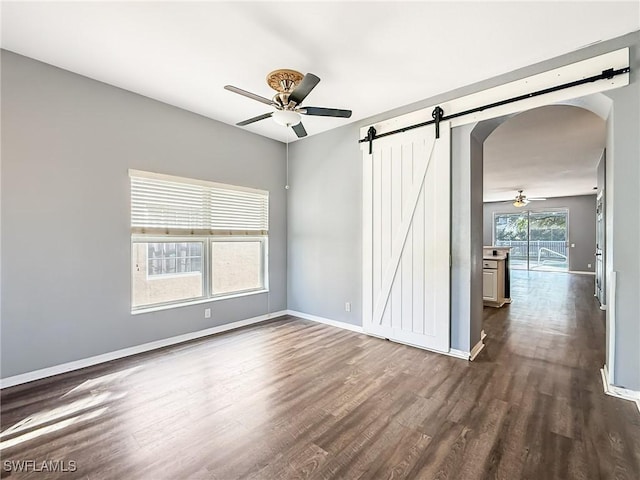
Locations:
(163, 204)
(194, 240)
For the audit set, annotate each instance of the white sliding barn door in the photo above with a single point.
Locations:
(406, 237)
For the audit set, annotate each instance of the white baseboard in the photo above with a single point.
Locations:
(358, 329)
(326, 321)
(476, 350)
(126, 352)
(619, 392)
(580, 272)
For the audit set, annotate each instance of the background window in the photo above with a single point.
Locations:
(538, 239)
(174, 258)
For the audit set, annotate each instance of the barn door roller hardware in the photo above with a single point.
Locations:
(438, 113)
(371, 134)
(437, 117)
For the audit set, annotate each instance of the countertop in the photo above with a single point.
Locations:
(487, 252)
(500, 256)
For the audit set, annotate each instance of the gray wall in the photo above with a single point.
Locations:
(67, 145)
(476, 139)
(623, 220)
(325, 231)
(466, 245)
(582, 225)
(308, 156)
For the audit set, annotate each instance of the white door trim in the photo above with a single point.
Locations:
(618, 392)
(586, 68)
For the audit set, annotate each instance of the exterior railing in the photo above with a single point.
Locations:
(541, 249)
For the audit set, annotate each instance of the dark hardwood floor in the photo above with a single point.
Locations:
(295, 399)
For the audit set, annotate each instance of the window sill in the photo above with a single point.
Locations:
(168, 276)
(199, 301)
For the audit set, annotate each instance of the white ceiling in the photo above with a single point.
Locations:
(371, 57)
(551, 151)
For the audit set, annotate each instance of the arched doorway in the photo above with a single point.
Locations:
(547, 160)
(597, 108)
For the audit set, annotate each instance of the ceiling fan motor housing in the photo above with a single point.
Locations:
(284, 80)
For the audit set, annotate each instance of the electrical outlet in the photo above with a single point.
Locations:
(347, 307)
(207, 313)
(588, 265)
(573, 245)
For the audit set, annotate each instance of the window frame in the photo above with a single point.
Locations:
(207, 269)
(171, 209)
(528, 212)
(264, 262)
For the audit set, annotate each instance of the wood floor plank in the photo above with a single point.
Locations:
(444, 456)
(294, 399)
(485, 436)
(399, 459)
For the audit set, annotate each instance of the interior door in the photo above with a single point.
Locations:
(600, 245)
(406, 238)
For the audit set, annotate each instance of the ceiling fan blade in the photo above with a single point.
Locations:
(299, 129)
(304, 88)
(244, 93)
(535, 199)
(326, 112)
(254, 119)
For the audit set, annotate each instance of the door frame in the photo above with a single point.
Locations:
(601, 228)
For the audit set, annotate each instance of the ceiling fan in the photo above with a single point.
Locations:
(522, 200)
(291, 89)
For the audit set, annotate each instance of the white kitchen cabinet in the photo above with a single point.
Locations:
(493, 281)
(490, 285)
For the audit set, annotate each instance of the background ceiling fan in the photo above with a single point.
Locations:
(291, 89)
(522, 200)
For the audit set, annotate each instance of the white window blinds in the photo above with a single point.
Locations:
(163, 204)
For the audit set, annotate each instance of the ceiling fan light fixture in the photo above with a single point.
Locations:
(286, 118)
(519, 203)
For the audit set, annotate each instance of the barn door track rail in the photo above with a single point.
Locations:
(438, 112)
